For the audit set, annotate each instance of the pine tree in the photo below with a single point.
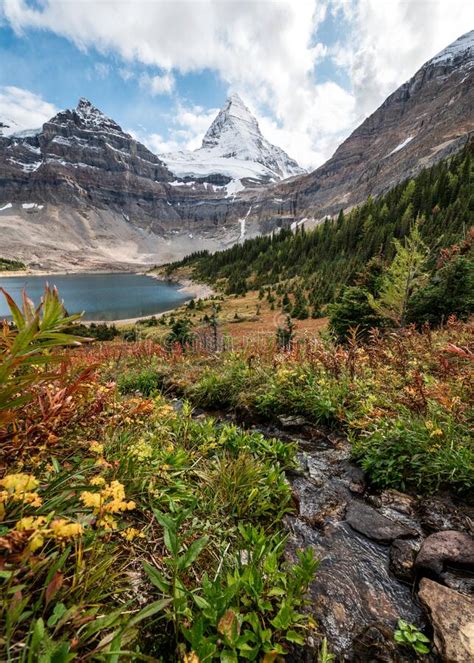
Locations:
(404, 276)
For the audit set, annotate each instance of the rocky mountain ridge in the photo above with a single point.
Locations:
(81, 186)
(424, 120)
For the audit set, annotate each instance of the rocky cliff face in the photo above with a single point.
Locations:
(426, 119)
(80, 158)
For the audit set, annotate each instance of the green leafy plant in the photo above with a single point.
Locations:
(250, 608)
(25, 347)
(409, 636)
(324, 655)
(171, 582)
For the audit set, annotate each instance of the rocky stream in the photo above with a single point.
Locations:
(383, 556)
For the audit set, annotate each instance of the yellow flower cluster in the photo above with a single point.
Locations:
(96, 448)
(132, 533)
(18, 488)
(109, 500)
(40, 530)
(140, 450)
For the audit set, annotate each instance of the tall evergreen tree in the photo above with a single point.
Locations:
(404, 276)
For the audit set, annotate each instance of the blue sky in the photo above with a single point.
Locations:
(55, 69)
(310, 70)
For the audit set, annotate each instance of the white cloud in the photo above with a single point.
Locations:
(23, 109)
(267, 51)
(156, 85)
(389, 40)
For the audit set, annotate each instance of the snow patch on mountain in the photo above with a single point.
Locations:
(401, 145)
(234, 147)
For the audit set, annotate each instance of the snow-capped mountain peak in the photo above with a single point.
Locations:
(463, 47)
(90, 117)
(234, 147)
(232, 122)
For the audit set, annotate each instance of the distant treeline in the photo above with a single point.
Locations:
(440, 198)
(7, 265)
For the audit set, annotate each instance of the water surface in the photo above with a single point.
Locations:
(100, 296)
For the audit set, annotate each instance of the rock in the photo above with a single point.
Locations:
(177, 404)
(317, 503)
(292, 421)
(356, 488)
(387, 144)
(445, 548)
(352, 588)
(435, 514)
(402, 558)
(372, 524)
(461, 582)
(355, 478)
(452, 617)
(398, 501)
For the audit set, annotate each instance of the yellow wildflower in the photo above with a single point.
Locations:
(59, 530)
(97, 481)
(92, 500)
(192, 657)
(62, 529)
(141, 450)
(96, 447)
(30, 523)
(110, 499)
(107, 521)
(19, 483)
(166, 411)
(36, 541)
(132, 533)
(18, 488)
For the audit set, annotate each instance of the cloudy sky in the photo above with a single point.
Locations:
(310, 70)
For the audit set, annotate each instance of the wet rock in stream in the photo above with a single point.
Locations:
(402, 559)
(353, 588)
(452, 616)
(374, 525)
(441, 514)
(442, 549)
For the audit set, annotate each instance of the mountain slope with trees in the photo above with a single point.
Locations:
(315, 266)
